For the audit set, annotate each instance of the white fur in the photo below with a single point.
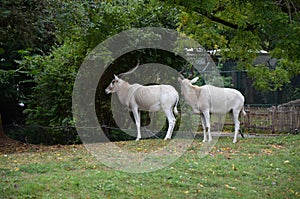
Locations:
(147, 98)
(208, 99)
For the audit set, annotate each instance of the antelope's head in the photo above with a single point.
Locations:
(117, 82)
(114, 85)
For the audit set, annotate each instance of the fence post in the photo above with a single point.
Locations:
(292, 112)
(247, 118)
(273, 118)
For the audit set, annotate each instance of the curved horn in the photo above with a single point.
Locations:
(130, 71)
(181, 74)
(192, 73)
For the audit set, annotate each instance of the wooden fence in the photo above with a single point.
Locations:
(270, 119)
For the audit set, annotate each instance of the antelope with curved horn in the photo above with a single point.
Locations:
(146, 98)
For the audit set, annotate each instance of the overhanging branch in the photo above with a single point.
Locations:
(213, 18)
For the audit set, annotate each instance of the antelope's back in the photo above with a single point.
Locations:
(152, 98)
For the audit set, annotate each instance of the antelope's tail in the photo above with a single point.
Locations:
(243, 111)
(175, 107)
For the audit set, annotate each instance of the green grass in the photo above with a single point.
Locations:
(252, 168)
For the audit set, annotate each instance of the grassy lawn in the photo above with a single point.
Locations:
(252, 168)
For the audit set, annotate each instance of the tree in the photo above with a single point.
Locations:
(2, 134)
(51, 38)
(80, 26)
(241, 28)
(24, 25)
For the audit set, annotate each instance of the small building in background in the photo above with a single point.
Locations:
(239, 79)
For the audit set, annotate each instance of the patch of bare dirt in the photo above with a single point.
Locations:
(9, 146)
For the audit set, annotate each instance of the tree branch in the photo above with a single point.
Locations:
(213, 18)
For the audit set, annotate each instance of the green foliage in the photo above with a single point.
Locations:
(51, 38)
(44, 135)
(241, 28)
(266, 79)
(53, 76)
(7, 91)
(23, 25)
(80, 27)
(95, 21)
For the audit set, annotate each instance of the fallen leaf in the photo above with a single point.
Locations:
(230, 187)
(233, 167)
(267, 151)
(277, 146)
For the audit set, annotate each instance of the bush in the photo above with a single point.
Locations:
(44, 135)
(80, 27)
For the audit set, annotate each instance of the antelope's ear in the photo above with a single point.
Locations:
(179, 79)
(194, 80)
(116, 77)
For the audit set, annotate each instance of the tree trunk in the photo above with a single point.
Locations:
(2, 134)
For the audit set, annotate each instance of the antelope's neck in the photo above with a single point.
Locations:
(126, 92)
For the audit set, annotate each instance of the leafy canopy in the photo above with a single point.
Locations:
(81, 26)
(51, 39)
(240, 29)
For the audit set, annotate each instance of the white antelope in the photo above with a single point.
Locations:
(208, 99)
(152, 98)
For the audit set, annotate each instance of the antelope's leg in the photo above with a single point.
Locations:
(204, 127)
(207, 124)
(171, 121)
(235, 117)
(137, 119)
